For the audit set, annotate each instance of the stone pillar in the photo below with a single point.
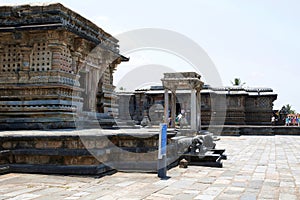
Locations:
(193, 110)
(139, 109)
(56, 57)
(25, 52)
(92, 89)
(76, 63)
(166, 114)
(198, 100)
(173, 108)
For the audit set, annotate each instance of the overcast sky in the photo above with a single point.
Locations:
(257, 41)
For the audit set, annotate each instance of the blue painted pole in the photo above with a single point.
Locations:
(162, 152)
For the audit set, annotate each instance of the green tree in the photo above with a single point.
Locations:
(122, 88)
(237, 82)
(289, 110)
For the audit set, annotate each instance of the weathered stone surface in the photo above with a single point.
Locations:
(242, 106)
(67, 152)
(73, 144)
(53, 69)
(48, 144)
(191, 183)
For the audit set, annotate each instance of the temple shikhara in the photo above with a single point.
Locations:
(56, 67)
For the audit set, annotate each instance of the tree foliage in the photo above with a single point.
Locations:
(289, 109)
(237, 82)
(122, 88)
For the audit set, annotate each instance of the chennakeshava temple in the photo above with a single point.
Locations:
(56, 67)
(233, 105)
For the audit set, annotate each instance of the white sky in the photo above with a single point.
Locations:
(257, 41)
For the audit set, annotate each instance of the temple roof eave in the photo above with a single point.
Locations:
(218, 91)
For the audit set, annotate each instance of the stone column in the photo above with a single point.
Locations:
(193, 110)
(93, 83)
(76, 62)
(56, 57)
(137, 107)
(166, 114)
(24, 66)
(25, 52)
(173, 108)
(198, 99)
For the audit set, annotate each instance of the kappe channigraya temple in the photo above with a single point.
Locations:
(56, 67)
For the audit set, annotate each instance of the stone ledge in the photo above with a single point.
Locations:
(237, 130)
(52, 16)
(4, 169)
(59, 169)
(64, 152)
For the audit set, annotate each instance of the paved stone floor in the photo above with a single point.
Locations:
(258, 167)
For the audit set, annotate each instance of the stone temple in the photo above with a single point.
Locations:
(56, 67)
(57, 72)
(240, 106)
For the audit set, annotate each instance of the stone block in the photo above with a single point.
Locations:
(6, 145)
(31, 159)
(48, 144)
(81, 160)
(89, 144)
(73, 144)
(102, 143)
(25, 144)
(127, 143)
(151, 142)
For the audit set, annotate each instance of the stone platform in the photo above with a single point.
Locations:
(258, 167)
(99, 151)
(92, 151)
(238, 130)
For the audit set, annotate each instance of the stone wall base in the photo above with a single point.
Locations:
(237, 130)
(87, 154)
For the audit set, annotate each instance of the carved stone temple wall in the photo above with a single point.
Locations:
(55, 66)
(241, 106)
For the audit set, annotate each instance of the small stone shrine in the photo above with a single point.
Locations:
(183, 81)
